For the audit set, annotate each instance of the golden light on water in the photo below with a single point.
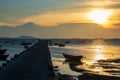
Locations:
(99, 52)
(94, 54)
(99, 16)
(98, 49)
(99, 57)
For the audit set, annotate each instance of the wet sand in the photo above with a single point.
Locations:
(32, 64)
(86, 76)
(89, 76)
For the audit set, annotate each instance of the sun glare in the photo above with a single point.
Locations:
(99, 16)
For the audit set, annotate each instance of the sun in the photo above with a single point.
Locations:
(99, 16)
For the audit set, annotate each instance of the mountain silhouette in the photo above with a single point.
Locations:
(25, 37)
(68, 30)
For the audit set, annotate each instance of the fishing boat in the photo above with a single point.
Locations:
(61, 45)
(73, 58)
(2, 51)
(3, 57)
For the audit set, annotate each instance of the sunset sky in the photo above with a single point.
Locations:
(49, 13)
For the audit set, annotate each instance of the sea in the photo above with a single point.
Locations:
(14, 47)
(100, 56)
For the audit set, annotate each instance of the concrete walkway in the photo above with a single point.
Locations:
(32, 64)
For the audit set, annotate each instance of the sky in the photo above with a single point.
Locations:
(49, 13)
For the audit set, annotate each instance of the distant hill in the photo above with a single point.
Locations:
(68, 30)
(26, 37)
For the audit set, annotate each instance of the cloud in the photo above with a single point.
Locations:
(2, 24)
(61, 17)
(112, 26)
(53, 18)
(109, 4)
(52, 12)
(116, 25)
(24, 8)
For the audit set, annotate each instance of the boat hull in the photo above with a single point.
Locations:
(73, 58)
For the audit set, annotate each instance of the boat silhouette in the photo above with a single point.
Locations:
(73, 58)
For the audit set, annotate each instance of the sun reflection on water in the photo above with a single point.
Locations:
(98, 49)
(99, 57)
(99, 52)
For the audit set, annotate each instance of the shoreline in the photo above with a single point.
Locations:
(86, 76)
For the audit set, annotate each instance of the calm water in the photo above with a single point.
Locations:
(100, 57)
(13, 46)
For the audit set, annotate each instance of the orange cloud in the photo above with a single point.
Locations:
(56, 18)
(3, 24)
(50, 19)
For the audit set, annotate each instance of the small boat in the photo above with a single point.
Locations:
(3, 57)
(61, 45)
(72, 57)
(2, 51)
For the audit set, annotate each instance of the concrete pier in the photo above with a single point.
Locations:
(33, 64)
